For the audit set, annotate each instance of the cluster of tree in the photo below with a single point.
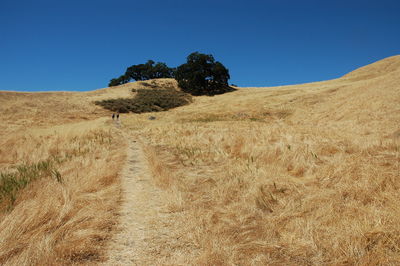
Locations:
(200, 75)
(150, 70)
(119, 81)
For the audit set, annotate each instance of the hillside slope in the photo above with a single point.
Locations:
(300, 174)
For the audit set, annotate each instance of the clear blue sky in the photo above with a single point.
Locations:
(81, 45)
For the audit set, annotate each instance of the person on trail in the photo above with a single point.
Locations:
(117, 116)
(113, 116)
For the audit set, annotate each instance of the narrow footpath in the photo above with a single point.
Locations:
(141, 204)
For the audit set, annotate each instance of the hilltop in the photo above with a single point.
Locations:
(299, 174)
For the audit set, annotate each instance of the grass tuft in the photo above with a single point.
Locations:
(12, 182)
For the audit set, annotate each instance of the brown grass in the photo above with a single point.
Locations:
(52, 222)
(68, 222)
(295, 175)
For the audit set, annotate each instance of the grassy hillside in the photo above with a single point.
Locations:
(61, 160)
(302, 174)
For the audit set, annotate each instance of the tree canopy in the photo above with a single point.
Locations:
(119, 81)
(149, 70)
(202, 75)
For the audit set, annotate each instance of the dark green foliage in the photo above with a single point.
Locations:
(119, 81)
(147, 100)
(11, 183)
(150, 70)
(201, 75)
(113, 82)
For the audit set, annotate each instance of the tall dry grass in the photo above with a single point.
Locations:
(62, 158)
(295, 175)
(64, 216)
(292, 175)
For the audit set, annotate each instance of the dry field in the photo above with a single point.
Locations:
(59, 189)
(294, 175)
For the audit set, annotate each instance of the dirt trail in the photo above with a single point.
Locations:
(141, 205)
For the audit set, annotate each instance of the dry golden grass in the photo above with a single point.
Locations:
(292, 175)
(51, 222)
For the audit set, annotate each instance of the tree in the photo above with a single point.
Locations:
(119, 81)
(149, 70)
(140, 71)
(161, 70)
(113, 82)
(201, 75)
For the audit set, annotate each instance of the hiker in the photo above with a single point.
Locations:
(113, 116)
(117, 116)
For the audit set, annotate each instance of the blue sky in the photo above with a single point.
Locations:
(81, 45)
